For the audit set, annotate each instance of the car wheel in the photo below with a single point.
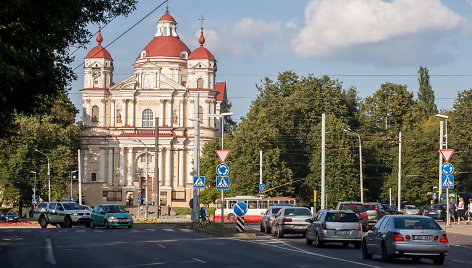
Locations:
(416, 259)
(107, 226)
(365, 253)
(262, 228)
(307, 240)
(268, 230)
(345, 244)
(92, 225)
(317, 242)
(357, 245)
(438, 260)
(130, 226)
(114, 227)
(43, 222)
(67, 222)
(231, 217)
(88, 224)
(280, 232)
(385, 256)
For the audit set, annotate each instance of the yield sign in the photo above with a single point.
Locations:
(222, 154)
(447, 154)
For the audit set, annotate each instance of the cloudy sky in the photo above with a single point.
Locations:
(363, 43)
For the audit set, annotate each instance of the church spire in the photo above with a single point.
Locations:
(99, 36)
(201, 40)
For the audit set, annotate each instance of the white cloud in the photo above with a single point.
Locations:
(360, 28)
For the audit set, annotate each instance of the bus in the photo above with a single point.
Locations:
(257, 206)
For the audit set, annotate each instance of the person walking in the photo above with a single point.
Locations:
(460, 210)
(469, 211)
(130, 200)
(452, 209)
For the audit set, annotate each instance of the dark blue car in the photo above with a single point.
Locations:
(435, 211)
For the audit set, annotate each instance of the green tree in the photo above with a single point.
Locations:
(426, 94)
(35, 42)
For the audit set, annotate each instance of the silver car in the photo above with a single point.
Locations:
(411, 210)
(291, 220)
(406, 236)
(341, 226)
(269, 216)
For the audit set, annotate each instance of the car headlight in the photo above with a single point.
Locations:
(111, 218)
(75, 214)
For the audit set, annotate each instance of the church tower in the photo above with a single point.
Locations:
(98, 67)
(201, 67)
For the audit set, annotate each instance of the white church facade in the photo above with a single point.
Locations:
(170, 83)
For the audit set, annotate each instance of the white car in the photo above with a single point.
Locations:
(411, 210)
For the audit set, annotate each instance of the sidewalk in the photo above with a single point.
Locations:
(457, 228)
(165, 217)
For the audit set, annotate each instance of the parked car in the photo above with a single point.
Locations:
(111, 216)
(269, 216)
(341, 226)
(411, 210)
(435, 211)
(406, 236)
(291, 220)
(12, 216)
(359, 209)
(64, 213)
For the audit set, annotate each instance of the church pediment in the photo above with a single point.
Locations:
(128, 82)
(199, 65)
(95, 64)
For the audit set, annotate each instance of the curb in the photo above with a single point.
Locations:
(18, 223)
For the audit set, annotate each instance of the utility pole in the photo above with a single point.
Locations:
(399, 169)
(156, 169)
(441, 143)
(196, 157)
(260, 167)
(80, 178)
(323, 161)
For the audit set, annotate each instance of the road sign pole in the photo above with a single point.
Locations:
(441, 136)
(448, 221)
(222, 206)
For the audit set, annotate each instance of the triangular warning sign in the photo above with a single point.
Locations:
(222, 154)
(447, 154)
(199, 183)
(448, 182)
(222, 184)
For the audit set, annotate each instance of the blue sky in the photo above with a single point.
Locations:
(363, 43)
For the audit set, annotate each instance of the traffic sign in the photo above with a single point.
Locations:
(447, 182)
(240, 209)
(71, 198)
(447, 154)
(447, 169)
(222, 183)
(261, 188)
(222, 170)
(199, 181)
(222, 154)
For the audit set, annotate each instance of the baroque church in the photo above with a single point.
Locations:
(170, 83)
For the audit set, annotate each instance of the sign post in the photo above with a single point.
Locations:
(240, 209)
(222, 170)
(447, 181)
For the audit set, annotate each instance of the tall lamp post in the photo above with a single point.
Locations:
(222, 118)
(49, 174)
(70, 198)
(441, 146)
(34, 187)
(361, 181)
(146, 210)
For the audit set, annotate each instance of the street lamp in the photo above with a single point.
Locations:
(34, 187)
(70, 198)
(146, 181)
(360, 162)
(49, 174)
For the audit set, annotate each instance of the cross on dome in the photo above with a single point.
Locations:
(99, 36)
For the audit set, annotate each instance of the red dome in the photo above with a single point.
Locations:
(167, 16)
(98, 52)
(201, 53)
(165, 46)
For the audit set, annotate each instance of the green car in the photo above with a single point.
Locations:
(111, 216)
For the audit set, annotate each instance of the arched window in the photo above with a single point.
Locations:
(200, 113)
(143, 54)
(183, 54)
(148, 118)
(95, 113)
(199, 83)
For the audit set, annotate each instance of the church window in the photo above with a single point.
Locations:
(95, 113)
(148, 120)
(199, 83)
(166, 31)
(183, 54)
(143, 54)
(200, 113)
(94, 176)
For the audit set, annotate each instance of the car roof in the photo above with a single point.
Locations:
(338, 211)
(357, 203)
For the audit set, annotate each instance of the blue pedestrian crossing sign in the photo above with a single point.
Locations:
(261, 188)
(199, 181)
(240, 209)
(447, 169)
(447, 182)
(222, 170)
(222, 183)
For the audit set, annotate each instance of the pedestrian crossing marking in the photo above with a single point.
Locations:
(169, 230)
(186, 230)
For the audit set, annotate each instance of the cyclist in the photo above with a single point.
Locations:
(202, 214)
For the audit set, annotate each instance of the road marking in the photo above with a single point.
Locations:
(150, 229)
(195, 259)
(462, 261)
(186, 230)
(7, 239)
(162, 246)
(460, 246)
(299, 250)
(49, 254)
(169, 230)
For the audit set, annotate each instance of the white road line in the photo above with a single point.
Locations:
(150, 229)
(6, 239)
(49, 254)
(169, 230)
(195, 259)
(186, 230)
(460, 246)
(462, 261)
(162, 246)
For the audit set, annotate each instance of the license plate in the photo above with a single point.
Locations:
(342, 232)
(123, 220)
(422, 237)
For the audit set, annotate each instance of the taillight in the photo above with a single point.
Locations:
(398, 237)
(359, 227)
(376, 207)
(425, 210)
(363, 214)
(271, 219)
(287, 220)
(439, 211)
(444, 238)
(323, 225)
(436, 238)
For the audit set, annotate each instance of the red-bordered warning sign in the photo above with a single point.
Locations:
(222, 154)
(447, 154)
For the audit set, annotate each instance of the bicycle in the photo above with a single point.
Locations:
(201, 223)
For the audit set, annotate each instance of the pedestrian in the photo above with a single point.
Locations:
(130, 200)
(469, 211)
(460, 210)
(452, 209)
(168, 210)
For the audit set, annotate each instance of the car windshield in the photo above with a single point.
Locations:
(297, 212)
(415, 223)
(275, 210)
(12, 214)
(114, 209)
(341, 217)
(369, 207)
(410, 207)
(358, 208)
(71, 206)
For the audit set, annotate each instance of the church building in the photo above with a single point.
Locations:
(171, 83)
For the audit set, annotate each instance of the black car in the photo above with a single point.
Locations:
(359, 209)
(435, 211)
(12, 216)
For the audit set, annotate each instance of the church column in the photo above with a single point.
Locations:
(103, 113)
(133, 112)
(181, 167)
(101, 165)
(161, 169)
(207, 117)
(89, 111)
(122, 165)
(169, 113)
(113, 115)
(110, 166)
(130, 166)
(86, 166)
(161, 113)
(125, 113)
(168, 172)
(181, 114)
(190, 166)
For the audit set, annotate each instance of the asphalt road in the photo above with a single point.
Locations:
(172, 246)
